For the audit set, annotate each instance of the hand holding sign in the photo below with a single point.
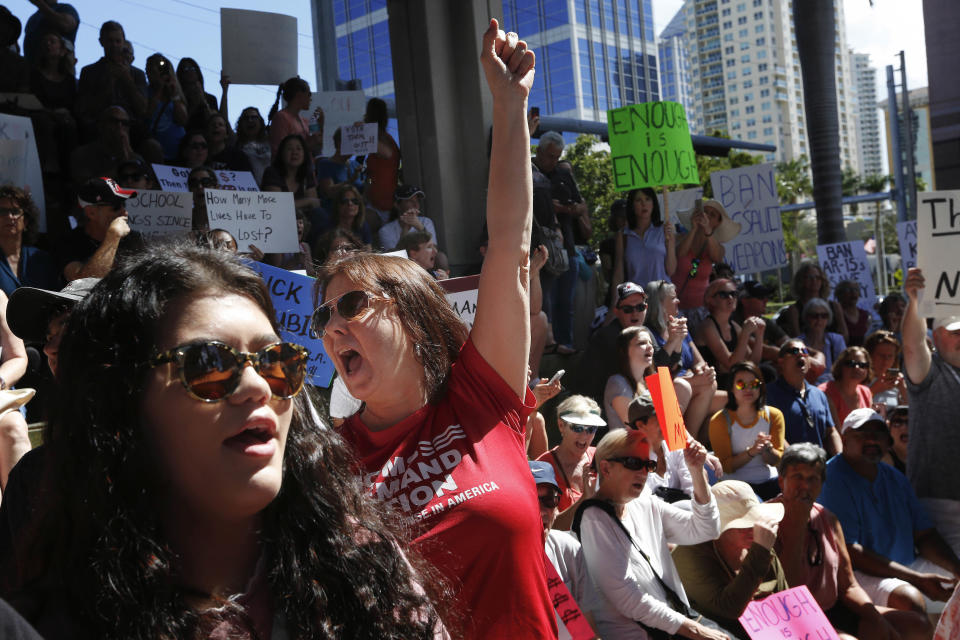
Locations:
(660, 385)
(789, 614)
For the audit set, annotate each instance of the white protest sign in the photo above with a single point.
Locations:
(683, 200)
(13, 162)
(938, 225)
(749, 194)
(236, 180)
(20, 128)
(848, 261)
(160, 213)
(462, 296)
(907, 237)
(26, 101)
(340, 109)
(358, 140)
(171, 178)
(265, 219)
(257, 47)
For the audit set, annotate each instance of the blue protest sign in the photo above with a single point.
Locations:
(292, 296)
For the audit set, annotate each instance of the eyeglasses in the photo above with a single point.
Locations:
(349, 201)
(795, 351)
(729, 295)
(853, 364)
(551, 501)
(201, 182)
(211, 371)
(818, 316)
(898, 422)
(694, 267)
(633, 308)
(14, 212)
(740, 385)
(350, 305)
(636, 464)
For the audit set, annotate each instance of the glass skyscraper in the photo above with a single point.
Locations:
(592, 55)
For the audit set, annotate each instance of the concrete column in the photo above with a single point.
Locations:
(444, 111)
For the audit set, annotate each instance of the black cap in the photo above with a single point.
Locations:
(29, 309)
(103, 191)
(407, 191)
(753, 289)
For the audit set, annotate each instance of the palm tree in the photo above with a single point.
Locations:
(816, 41)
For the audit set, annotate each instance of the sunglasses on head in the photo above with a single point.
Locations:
(853, 364)
(211, 371)
(793, 351)
(632, 463)
(740, 385)
(550, 501)
(729, 295)
(633, 308)
(350, 305)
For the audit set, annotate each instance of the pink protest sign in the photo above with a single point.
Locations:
(789, 614)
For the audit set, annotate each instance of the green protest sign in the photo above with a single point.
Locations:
(650, 146)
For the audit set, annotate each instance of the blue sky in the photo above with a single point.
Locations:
(191, 28)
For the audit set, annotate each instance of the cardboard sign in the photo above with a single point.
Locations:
(650, 146)
(848, 261)
(175, 179)
(292, 296)
(257, 47)
(749, 194)
(236, 180)
(13, 162)
(26, 101)
(340, 109)
(793, 613)
(669, 415)
(265, 219)
(161, 213)
(20, 128)
(462, 296)
(683, 200)
(358, 140)
(938, 228)
(907, 237)
(171, 178)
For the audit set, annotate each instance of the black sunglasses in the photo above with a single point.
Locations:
(579, 428)
(725, 294)
(350, 305)
(130, 177)
(202, 182)
(636, 464)
(853, 364)
(793, 351)
(551, 501)
(211, 371)
(633, 308)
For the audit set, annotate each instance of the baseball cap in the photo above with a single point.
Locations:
(543, 473)
(753, 289)
(103, 191)
(627, 289)
(29, 309)
(950, 323)
(407, 191)
(640, 408)
(739, 507)
(859, 418)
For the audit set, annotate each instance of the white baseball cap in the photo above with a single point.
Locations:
(950, 323)
(859, 418)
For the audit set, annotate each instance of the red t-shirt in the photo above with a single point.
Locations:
(460, 469)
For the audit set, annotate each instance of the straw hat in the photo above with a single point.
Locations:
(740, 508)
(728, 229)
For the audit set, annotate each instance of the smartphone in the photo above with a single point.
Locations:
(557, 376)
(893, 372)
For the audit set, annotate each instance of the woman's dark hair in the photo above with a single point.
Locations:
(749, 367)
(626, 337)
(655, 218)
(186, 140)
(376, 112)
(339, 195)
(189, 64)
(431, 324)
(229, 136)
(324, 245)
(335, 569)
(836, 370)
(278, 163)
(156, 59)
(65, 65)
(287, 91)
(878, 337)
(261, 132)
(796, 285)
(31, 214)
(887, 304)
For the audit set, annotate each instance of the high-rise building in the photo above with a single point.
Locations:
(865, 75)
(592, 55)
(923, 148)
(675, 62)
(746, 75)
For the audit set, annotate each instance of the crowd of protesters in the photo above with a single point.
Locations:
(177, 494)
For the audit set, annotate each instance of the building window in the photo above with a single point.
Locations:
(742, 20)
(747, 84)
(765, 106)
(764, 92)
(758, 15)
(761, 42)
(762, 66)
(750, 108)
(728, 50)
(746, 71)
(745, 57)
(731, 75)
(734, 113)
(727, 24)
(731, 62)
(758, 28)
(725, 13)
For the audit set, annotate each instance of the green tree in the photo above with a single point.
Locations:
(594, 174)
(793, 186)
(851, 184)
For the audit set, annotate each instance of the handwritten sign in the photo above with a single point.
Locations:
(13, 162)
(175, 179)
(669, 415)
(788, 614)
(292, 296)
(20, 128)
(462, 296)
(161, 213)
(171, 178)
(749, 194)
(26, 101)
(358, 140)
(340, 109)
(848, 261)
(683, 200)
(569, 616)
(245, 36)
(907, 237)
(265, 219)
(236, 180)
(938, 228)
(650, 146)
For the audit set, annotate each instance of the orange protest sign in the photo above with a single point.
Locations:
(668, 411)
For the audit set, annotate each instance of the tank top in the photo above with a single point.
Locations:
(823, 558)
